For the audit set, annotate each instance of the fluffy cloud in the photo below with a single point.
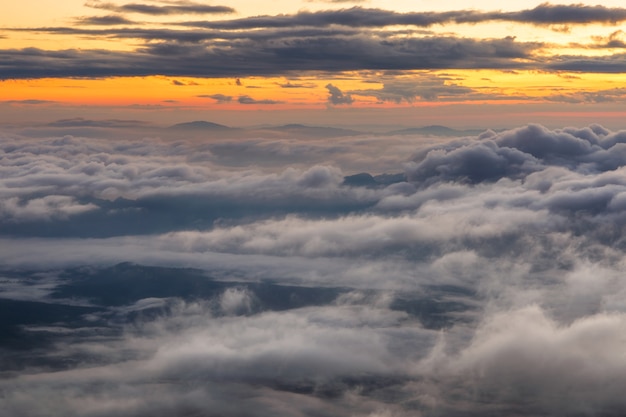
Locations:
(336, 96)
(483, 275)
(44, 208)
(524, 362)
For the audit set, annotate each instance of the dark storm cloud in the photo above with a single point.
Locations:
(171, 9)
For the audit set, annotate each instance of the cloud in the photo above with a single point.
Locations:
(603, 64)
(193, 53)
(337, 97)
(220, 98)
(614, 40)
(51, 206)
(603, 96)
(289, 84)
(349, 39)
(171, 9)
(271, 357)
(567, 14)
(518, 152)
(544, 14)
(338, 1)
(30, 102)
(109, 123)
(104, 20)
(425, 88)
(483, 276)
(526, 375)
(245, 99)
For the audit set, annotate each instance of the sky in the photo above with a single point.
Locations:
(242, 63)
(312, 209)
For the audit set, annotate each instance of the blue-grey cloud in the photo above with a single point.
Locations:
(331, 40)
(281, 56)
(246, 99)
(104, 20)
(544, 14)
(108, 123)
(32, 102)
(220, 98)
(425, 87)
(474, 277)
(183, 7)
(337, 97)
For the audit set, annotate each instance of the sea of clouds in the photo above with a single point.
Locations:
(486, 279)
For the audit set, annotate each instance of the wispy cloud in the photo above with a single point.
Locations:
(154, 10)
(109, 20)
(245, 99)
(220, 98)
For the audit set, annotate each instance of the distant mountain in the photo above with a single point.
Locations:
(436, 130)
(362, 179)
(199, 125)
(107, 123)
(314, 131)
(365, 179)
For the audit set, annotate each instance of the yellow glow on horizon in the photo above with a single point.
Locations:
(487, 86)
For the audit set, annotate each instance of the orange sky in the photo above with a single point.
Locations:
(311, 57)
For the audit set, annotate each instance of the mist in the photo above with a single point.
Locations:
(291, 274)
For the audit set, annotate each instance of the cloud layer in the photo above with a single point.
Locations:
(475, 275)
(328, 40)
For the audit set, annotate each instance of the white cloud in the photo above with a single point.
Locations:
(489, 282)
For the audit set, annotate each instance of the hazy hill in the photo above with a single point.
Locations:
(312, 131)
(436, 130)
(199, 125)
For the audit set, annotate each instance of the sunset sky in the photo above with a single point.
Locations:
(315, 208)
(470, 64)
